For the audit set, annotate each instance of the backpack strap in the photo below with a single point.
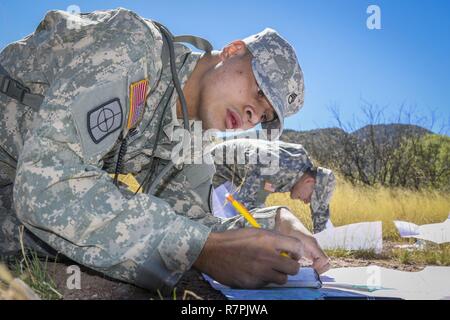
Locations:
(16, 90)
(197, 42)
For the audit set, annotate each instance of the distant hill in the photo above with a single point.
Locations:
(331, 138)
(389, 132)
(394, 155)
(328, 145)
(318, 142)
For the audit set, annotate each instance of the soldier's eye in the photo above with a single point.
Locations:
(264, 117)
(268, 117)
(260, 93)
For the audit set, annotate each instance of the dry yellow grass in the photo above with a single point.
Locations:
(13, 288)
(352, 204)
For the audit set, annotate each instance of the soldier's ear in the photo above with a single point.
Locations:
(310, 180)
(237, 47)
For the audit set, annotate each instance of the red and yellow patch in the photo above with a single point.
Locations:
(138, 96)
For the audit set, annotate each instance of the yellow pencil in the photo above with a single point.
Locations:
(246, 214)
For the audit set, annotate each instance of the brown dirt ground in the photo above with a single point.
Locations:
(96, 286)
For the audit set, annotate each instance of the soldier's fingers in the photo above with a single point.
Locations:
(290, 245)
(321, 266)
(314, 249)
(285, 265)
(296, 256)
(273, 276)
(321, 262)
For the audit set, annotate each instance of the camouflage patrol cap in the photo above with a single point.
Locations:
(278, 74)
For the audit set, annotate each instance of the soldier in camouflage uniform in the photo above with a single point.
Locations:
(290, 170)
(94, 91)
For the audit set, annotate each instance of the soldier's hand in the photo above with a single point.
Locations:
(288, 224)
(249, 258)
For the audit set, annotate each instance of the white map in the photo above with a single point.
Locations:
(357, 236)
(436, 232)
(432, 283)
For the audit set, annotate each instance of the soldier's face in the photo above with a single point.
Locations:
(303, 189)
(230, 97)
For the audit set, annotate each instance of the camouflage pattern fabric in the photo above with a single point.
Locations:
(278, 74)
(9, 231)
(258, 164)
(321, 197)
(189, 193)
(10, 236)
(63, 193)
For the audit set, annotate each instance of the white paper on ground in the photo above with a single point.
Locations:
(436, 232)
(357, 236)
(432, 283)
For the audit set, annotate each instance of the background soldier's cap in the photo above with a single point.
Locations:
(278, 74)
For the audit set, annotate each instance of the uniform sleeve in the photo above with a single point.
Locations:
(320, 218)
(243, 171)
(236, 162)
(61, 193)
(320, 202)
(248, 180)
(256, 180)
(189, 194)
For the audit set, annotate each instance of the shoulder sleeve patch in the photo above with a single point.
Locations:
(104, 120)
(99, 116)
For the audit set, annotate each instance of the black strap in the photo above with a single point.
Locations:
(16, 90)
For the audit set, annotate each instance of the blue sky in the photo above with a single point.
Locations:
(345, 64)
